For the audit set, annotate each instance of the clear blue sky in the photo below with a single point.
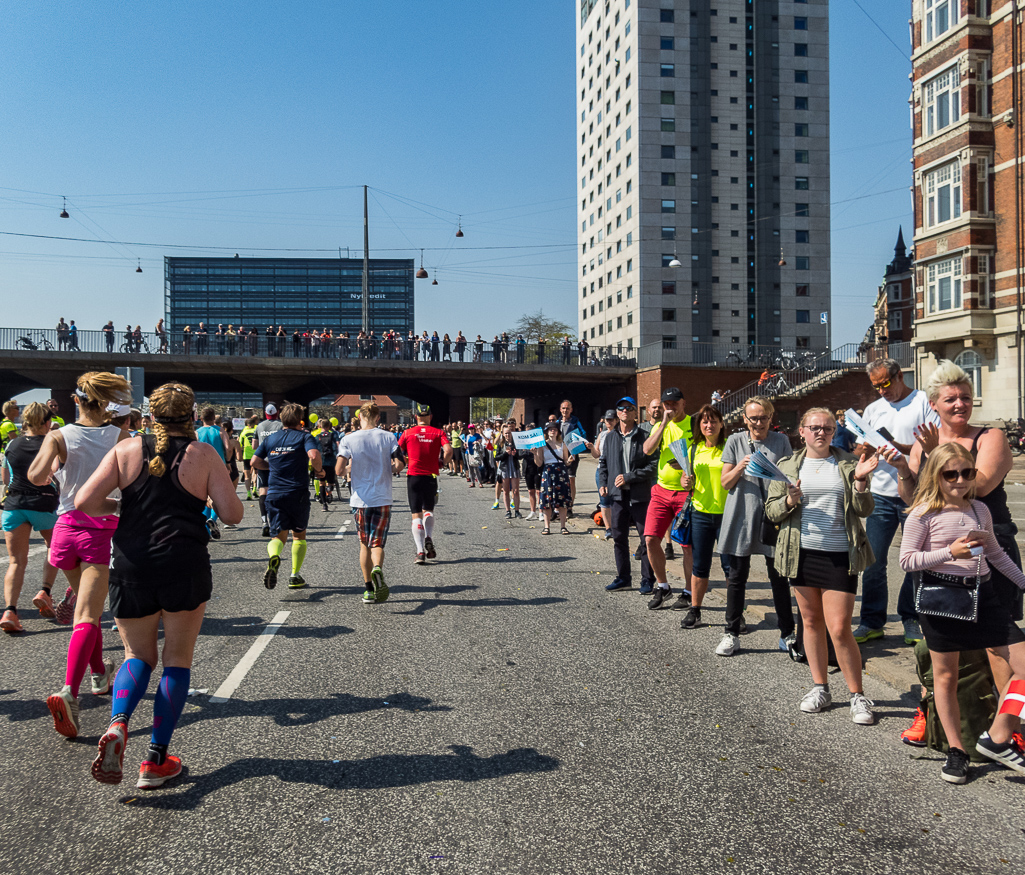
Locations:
(253, 126)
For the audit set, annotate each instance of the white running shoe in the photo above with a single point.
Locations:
(729, 645)
(101, 682)
(818, 699)
(861, 710)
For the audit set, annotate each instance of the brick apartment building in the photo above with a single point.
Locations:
(895, 302)
(968, 243)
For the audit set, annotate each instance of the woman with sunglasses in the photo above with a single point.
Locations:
(708, 501)
(740, 533)
(949, 539)
(553, 459)
(822, 548)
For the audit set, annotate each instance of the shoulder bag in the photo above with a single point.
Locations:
(949, 595)
(768, 532)
(680, 531)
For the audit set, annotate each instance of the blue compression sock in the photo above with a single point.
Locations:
(172, 691)
(129, 688)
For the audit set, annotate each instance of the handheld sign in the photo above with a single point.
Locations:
(865, 433)
(528, 440)
(681, 453)
(576, 443)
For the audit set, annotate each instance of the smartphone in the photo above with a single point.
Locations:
(882, 430)
(976, 535)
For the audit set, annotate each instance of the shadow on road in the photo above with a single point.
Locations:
(375, 773)
(426, 604)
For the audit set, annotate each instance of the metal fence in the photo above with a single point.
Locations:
(720, 355)
(305, 346)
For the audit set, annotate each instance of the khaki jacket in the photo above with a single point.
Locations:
(856, 506)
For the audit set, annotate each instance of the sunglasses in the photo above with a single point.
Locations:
(884, 385)
(626, 407)
(820, 429)
(967, 474)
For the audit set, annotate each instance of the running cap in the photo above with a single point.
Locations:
(610, 414)
(422, 409)
(628, 398)
(672, 394)
(270, 410)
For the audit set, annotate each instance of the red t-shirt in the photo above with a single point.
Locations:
(422, 445)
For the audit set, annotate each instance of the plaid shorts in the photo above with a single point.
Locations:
(372, 523)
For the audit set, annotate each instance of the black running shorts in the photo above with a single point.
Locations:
(185, 593)
(289, 512)
(422, 492)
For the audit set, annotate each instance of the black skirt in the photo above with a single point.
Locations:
(994, 627)
(820, 569)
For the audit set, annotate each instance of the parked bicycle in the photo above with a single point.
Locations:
(36, 340)
(1014, 429)
(135, 346)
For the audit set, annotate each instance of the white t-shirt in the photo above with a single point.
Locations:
(822, 515)
(900, 420)
(370, 450)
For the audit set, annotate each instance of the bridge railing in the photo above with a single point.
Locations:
(263, 345)
(772, 357)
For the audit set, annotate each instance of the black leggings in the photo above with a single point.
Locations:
(736, 590)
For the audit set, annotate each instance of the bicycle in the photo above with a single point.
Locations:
(132, 346)
(36, 340)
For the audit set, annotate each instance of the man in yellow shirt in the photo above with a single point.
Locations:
(668, 495)
(8, 430)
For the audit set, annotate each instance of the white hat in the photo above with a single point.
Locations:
(270, 409)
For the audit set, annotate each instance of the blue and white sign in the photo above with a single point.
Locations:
(528, 440)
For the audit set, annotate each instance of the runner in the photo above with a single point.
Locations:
(160, 571)
(209, 433)
(247, 437)
(371, 457)
(234, 451)
(266, 428)
(327, 443)
(284, 454)
(422, 444)
(27, 507)
(80, 546)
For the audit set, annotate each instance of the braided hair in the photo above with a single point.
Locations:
(171, 406)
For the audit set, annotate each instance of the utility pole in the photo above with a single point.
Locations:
(366, 266)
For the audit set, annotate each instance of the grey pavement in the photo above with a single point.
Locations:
(500, 713)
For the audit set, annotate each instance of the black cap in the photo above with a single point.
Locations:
(610, 414)
(553, 425)
(422, 409)
(672, 394)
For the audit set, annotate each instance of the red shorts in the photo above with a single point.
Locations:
(662, 510)
(78, 538)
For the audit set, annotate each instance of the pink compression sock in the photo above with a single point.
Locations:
(96, 659)
(80, 651)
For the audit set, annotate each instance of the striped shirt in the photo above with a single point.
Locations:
(822, 515)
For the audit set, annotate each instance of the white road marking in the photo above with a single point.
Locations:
(341, 531)
(238, 673)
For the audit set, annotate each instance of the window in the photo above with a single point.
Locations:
(943, 194)
(801, 76)
(628, 53)
(801, 130)
(667, 98)
(666, 258)
(666, 43)
(669, 179)
(943, 285)
(668, 206)
(799, 342)
(668, 288)
(629, 212)
(669, 151)
(803, 316)
(800, 103)
(801, 291)
(894, 320)
(985, 301)
(668, 124)
(801, 263)
(801, 210)
(668, 233)
(801, 183)
(619, 322)
(982, 194)
(942, 101)
(800, 23)
(971, 362)
(668, 315)
(629, 133)
(665, 16)
(629, 265)
(801, 156)
(667, 71)
(940, 16)
(802, 237)
(801, 50)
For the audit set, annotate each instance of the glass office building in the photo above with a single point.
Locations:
(303, 293)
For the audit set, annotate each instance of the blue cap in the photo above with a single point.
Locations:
(627, 398)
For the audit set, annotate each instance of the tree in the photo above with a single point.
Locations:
(490, 408)
(536, 325)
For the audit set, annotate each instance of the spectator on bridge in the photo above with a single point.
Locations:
(73, 336)
(108, 335)
(269, 335)
(540, 350)
(219, 334)
(230, 338)
(521, 349)
(716, 396)
(187, 339)
(567, 347)
(137, 340)
(582, 351)
(201, 339)
(460, 345)
(62, 334)
(280, 337)
(161, 334)
(496, 349)
(127, 346)
(435, 353)
(446, 348)
(478, 349)
(343, 344)
(254, 340)
(314, 344)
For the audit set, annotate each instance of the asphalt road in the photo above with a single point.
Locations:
(500, 713)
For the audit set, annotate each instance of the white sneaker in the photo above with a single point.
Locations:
(861, 710)
(729, 645)
(818, 699)
(530, 516)
(101, 682)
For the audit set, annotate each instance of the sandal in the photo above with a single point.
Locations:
(546, 531)
(564, 531)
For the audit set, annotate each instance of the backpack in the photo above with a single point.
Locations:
(976, 696)
(326, 439)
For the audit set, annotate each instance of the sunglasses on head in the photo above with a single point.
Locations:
(967, 474)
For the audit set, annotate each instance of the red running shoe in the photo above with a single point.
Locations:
(915, 733)
(44, 603)
(107, 768)
(152, 776)
(10, 622)
(64, 610)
